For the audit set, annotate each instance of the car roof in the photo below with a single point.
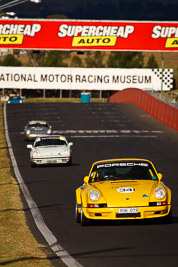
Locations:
(35, 121)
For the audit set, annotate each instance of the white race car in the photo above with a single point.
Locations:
(50, 150)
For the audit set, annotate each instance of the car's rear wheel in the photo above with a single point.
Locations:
(84, 220)
(77, 214)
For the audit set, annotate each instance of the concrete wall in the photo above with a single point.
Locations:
(153, 106)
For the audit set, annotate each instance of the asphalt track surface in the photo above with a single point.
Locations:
(98, 131)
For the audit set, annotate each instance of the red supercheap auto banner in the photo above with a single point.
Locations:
(89, 35)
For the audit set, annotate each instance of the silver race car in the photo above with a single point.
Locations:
(50, 150)
(36, 128)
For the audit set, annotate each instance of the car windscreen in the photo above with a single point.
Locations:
(123, 171)
(36, 125)
(50, 142)
(14, 97)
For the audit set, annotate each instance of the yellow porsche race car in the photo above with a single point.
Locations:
(120, 189)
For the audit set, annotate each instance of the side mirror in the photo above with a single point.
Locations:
(29, 146)
(71, 144)
(86, 179)
(160, 176)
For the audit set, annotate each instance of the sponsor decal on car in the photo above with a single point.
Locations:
(61, 138)
(122, 164)
(52, 138)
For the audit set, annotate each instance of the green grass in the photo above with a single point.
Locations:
(18, 247)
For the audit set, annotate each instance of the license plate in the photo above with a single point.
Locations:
(128, 210)
(51, 161)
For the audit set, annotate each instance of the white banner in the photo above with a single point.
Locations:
(85, 78)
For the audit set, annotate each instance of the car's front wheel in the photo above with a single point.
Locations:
(84, 220)
(33, 165)
(70, 162)
(168, 218)
(77, 214)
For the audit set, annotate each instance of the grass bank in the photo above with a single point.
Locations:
(54, 99)
(18, 247)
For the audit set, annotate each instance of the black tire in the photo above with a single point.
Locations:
(33, 165)
(69, 163)
(77, 214)
(168, 218)
(84, 220)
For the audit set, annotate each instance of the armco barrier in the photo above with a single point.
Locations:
(153, 106)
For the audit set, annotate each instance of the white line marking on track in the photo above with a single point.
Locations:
(113, 136)
(48, 235)
(104, 132)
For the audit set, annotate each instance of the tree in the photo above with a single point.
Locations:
(53, 59)
(76, 62)
(10, 60)
(152, 63)
(125, 60)
(94, 59)
(57, 16)
(35, 57)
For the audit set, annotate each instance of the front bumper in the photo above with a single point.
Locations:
(52, 161)
(113, 213)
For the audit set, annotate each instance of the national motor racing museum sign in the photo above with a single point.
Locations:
(89, 35)
(85, 78)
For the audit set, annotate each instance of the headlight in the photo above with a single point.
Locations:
(66, 151)
(160, 193)
(28, 132)
(49, 131)
(94, 195)
(35, 152)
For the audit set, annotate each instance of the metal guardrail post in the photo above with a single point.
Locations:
(162, 56)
